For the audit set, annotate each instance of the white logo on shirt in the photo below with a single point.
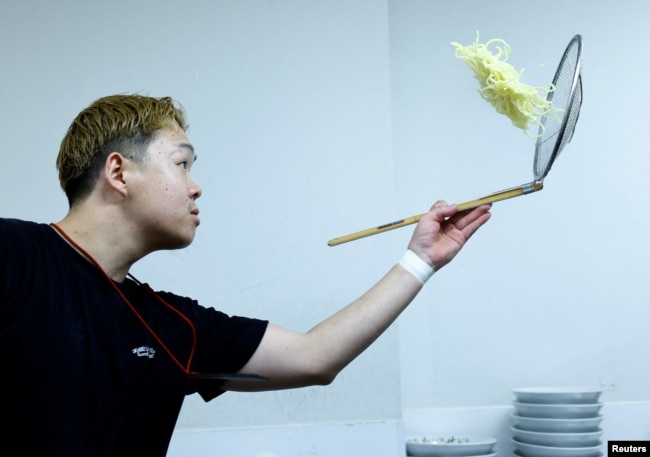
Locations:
(144, 351)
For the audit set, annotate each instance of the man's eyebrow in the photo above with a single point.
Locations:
(188, 146)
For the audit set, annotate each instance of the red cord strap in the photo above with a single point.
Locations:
(186, 368)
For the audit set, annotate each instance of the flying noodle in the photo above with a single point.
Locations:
(501, 86)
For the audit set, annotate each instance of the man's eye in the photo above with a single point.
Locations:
(183, 164)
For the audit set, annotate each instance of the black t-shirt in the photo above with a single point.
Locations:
(81, 375)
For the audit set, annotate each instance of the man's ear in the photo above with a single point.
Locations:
(114, 172)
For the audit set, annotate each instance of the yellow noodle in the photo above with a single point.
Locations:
(500, 83)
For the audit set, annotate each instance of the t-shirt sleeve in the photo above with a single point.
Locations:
(224, 344)
(16, 255)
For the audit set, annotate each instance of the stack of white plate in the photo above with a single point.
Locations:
(450, 446)
(557, 422)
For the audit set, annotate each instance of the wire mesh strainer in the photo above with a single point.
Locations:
(555, 131)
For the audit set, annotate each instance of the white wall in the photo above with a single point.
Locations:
(313, 119)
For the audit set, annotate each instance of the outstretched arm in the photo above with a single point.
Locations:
(291, 359)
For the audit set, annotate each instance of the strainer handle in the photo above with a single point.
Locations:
(495, 197)
(502, 195)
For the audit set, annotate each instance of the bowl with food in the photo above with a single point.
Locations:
(449, 446)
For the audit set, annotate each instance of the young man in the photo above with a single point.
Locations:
(97, 364)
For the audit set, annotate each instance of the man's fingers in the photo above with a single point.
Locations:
(438, 204)
(470, 222)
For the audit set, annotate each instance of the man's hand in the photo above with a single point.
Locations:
(443, 231)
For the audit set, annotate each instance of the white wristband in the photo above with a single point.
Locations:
(416, 266)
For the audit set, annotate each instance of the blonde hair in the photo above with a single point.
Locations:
(120, 123)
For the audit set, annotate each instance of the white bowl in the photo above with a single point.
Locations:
(545, 424)
(493, 454)
(431, 446)
(586, 439)
(557, 411)
(558, 395)
(533, 450)
(519, 454)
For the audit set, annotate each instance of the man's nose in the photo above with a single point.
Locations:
(194, 189)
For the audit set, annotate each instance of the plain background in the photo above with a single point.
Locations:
(313, 119)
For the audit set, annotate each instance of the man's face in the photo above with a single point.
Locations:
(162, 195)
